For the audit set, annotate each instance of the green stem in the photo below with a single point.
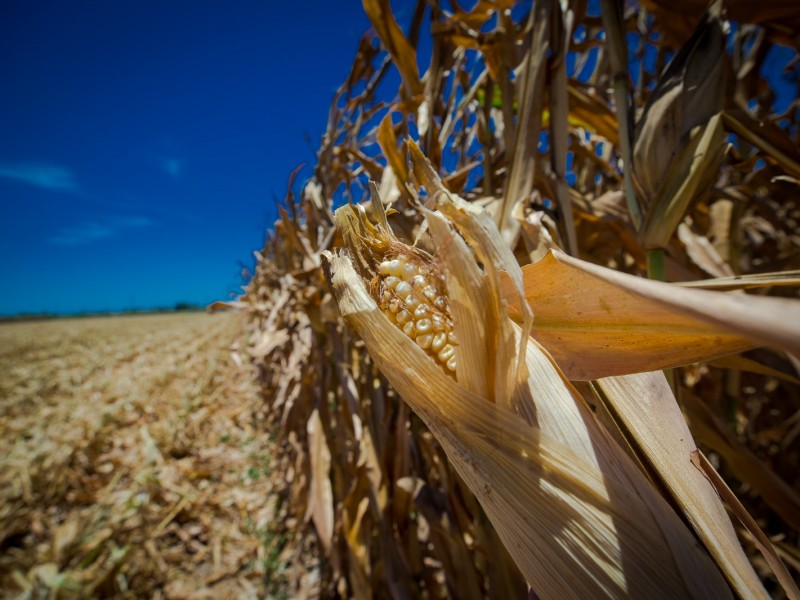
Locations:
(656, 266)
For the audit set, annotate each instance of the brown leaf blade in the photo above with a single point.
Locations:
(398, 46)
(596, 322)
(646, 407)
(679, 139)
(320, 492)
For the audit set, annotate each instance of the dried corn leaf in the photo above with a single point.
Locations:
(746, 282)
(396, 44)
(644, 406)
(530, 95)
(388, 143)
(675, 14)
(594, 329)
(703, 253)
(762, 541)
(687, 95)
(688, 175)
(592, 113)
(320, 494)
(765, 136)
(740, 363)
(746, 466)
(597, 322)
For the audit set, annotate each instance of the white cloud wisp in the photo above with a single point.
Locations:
(49, 177)
(91, 231)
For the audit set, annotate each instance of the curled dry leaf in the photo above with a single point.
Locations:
(703, 253)
(672, 164)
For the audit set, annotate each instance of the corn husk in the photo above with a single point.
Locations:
(577, 516)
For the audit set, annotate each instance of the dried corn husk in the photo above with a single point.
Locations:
(578, 517)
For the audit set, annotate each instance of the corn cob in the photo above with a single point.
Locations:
(412, 297)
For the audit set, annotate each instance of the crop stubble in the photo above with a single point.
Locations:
(130, 462)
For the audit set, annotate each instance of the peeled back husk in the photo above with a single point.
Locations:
(576, 514)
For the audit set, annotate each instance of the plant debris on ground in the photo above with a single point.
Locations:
(133, 463)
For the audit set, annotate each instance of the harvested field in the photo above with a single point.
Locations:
(132, 464)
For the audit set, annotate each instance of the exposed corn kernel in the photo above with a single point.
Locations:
(424, 340)
(403, 289)
(408, 272)
(438, 341)
(424, 326)
(446, 352)
(413, 302)
(423, 315)
(430, 292)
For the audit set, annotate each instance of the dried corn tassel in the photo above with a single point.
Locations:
(577, 516)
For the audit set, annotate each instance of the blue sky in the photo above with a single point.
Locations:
(142, 143)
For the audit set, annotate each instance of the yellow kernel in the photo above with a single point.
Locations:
(409, 329)
(418, 281)
(451, 363)
(412, 301)
(394, 305)
(424, 341)
(439, 340)
(438, 322)
(446, 352)
(423, 310)
(440, 302)
(385, 268)
(451, 336)
(424, 326)
(396, 266)
(429, 292)
(403, 317)
(392, 281)
(403, 289)
(408, 272)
